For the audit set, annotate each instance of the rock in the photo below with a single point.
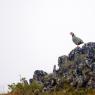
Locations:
(62, 60)
(30, 81)
(75, 51)
(50, 84)
(39, 75)
(54, 71)
(24, 81)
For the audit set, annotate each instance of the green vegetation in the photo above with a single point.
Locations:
(25, 89)
(35, 88)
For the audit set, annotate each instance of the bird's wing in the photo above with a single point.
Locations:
(77, 40)
(80, 40)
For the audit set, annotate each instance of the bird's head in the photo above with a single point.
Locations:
(71, 33)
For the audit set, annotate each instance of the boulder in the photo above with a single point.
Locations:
(39, 75)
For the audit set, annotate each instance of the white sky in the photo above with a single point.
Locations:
(34, 33)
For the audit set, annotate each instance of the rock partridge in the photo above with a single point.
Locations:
(75, 39)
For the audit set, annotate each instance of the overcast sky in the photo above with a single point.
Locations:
(34, 33)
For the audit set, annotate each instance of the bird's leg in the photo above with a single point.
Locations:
(78, 46)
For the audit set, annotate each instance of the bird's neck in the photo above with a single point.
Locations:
(73, 35)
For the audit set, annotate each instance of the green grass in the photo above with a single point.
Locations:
(36, 89)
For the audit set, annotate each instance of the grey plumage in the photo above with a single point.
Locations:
(76, 40)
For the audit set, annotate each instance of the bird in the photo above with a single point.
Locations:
(76, 39)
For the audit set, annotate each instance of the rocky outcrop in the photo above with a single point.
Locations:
(39, 75)
(77, 68)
